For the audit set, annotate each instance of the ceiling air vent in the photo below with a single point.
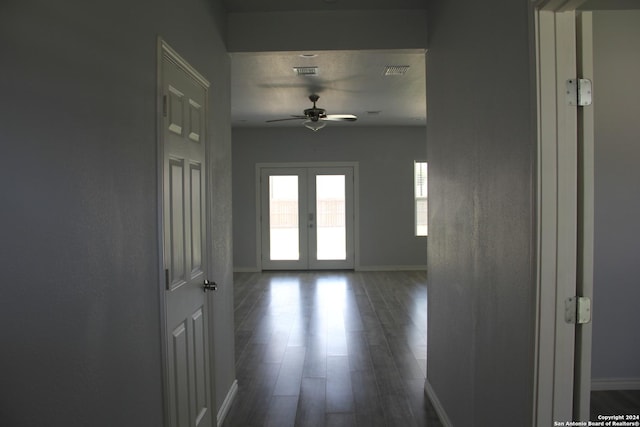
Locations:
(396, 70)
(306, 71)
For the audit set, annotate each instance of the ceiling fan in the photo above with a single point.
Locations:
(315, 118)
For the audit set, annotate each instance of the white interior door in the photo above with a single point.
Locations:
(184, 236)
(307, 218)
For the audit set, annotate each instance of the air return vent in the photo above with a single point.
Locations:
(306, 71)
(396, 70)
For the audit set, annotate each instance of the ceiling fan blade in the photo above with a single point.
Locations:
(290, 118)
(340, 117)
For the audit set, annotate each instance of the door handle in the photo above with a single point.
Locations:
(209, 286)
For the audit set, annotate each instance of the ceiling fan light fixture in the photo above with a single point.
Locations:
(314, 125)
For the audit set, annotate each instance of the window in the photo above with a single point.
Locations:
(420, 189)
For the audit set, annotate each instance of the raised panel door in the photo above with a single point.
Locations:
(185, 256)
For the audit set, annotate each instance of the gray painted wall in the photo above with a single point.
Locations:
(385, 157)
(339, 30)
(617, 200)
(481, 150)
(79, 301)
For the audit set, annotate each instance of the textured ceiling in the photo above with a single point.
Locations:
(297, 5)
(264, 85)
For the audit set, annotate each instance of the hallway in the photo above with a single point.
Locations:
(331, 349)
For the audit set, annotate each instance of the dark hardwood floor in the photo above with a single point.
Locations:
(615, 402)
(331, 349)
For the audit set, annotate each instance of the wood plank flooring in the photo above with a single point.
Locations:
(615, 402)
(331, 349)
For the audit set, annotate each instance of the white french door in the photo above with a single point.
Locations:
(307, 217)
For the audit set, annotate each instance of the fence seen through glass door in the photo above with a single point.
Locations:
(284, 222)
(331, 222)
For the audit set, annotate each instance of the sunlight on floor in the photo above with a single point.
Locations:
(331, 348)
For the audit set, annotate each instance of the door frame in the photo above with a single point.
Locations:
(356, 202)
(564, 214)
(163, 49)
(586, 219)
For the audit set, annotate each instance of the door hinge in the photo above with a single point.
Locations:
(164, 106)
(577, 310)
(579, 92)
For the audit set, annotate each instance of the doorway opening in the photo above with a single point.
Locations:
(569, 30)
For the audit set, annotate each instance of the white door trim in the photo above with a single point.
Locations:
(586, 223)
(563, 196)
(356, 202)
(556, 211)
(162, 279)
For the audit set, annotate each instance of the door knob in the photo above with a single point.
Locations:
(209, 286)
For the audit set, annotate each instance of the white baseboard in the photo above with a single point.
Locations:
(357, 268)
(246, 270)
(391, 267)
(442, 414)
(599, 384)
(224, 409)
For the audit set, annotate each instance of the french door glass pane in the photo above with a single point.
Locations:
(283, 218)
(330, 213)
